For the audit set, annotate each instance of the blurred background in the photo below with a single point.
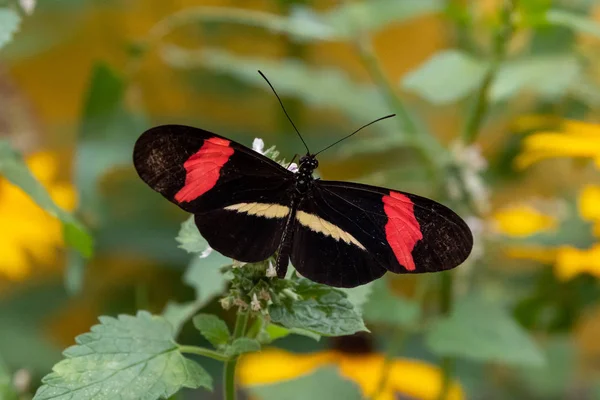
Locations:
(497, 107)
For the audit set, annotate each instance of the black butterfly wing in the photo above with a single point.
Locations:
(239, 197)
(348, 234)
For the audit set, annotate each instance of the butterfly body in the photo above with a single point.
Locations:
(249, 207)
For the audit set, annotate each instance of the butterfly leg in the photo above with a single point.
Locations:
(285, 246)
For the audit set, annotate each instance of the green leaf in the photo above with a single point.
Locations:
(13, 168)
(577, 22)
(554, 379)
(385, 307)
(547, 75)
(323, 384)
(242, 345)
(189, 237)
(9, 25)
(277, 332)
(213, 328)
(354, 18)
(204, 275)
(126, 358)
(483, 332)
(107, 133)
(446, 77)
(340, 23)
(359, 295)
(321, 309)
(316, 87)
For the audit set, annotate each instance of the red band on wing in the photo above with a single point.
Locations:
(402, 230)
(203, 168)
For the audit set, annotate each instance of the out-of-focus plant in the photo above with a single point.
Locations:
(494, 325)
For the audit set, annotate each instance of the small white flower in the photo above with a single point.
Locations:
(293, 167)
(206, 252)
(271, 271)
(258, 145)
(238, 264)
(225, 303)
(255, 303)
(28, 6)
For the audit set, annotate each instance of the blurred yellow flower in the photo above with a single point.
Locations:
(571, 139)
(568, 261)
(412, 378)
(522, 220)
(29, 234)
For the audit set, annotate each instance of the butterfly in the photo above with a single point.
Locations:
(249, 207)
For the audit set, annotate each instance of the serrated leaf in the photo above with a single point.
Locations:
(9, 25)
(316, 87)
(546, 75)
(446, 77)
(189, 237)
(384, 307)
(242, 345)
(322, 309)
(577, 22)
(205, 276)
(14, 168)
(213, 328)
(480, 331)
(127, 358)
(323, 384)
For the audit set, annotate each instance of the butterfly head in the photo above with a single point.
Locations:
(308, 163)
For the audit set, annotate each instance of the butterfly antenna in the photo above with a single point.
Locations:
(356, 131)
(286, 114)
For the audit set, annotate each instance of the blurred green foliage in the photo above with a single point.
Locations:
(94, 75)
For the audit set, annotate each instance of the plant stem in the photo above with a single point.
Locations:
(201, 351)
(229, 369)
(469, 135)
(480, 106)
(395, 346)
(429, 148)
(446, 305)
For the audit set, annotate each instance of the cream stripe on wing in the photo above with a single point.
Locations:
(261, 209)
(317, 224)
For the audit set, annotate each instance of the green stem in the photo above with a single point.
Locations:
(481, 104)
(469, 135)
(229, 369)
(446, 305)
(201, 351)
(395, 346)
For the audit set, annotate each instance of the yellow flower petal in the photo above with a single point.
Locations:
(274, 365)
(29, 233)
(522, 220)
(589, 203)
(543, 145)
(542, 254)
(406, 377)
(411, 378)
(572, 261)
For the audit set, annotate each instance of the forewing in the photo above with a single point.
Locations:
(402, 232)
(240, 198)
